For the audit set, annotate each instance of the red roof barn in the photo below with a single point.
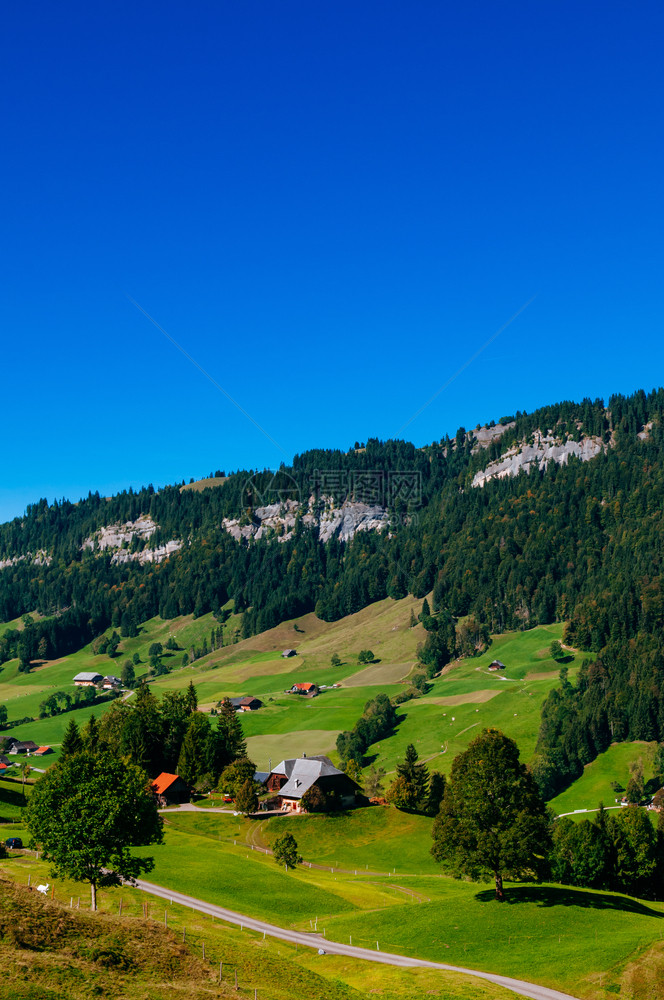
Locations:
(170, 789)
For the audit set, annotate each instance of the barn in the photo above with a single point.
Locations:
(170, 789)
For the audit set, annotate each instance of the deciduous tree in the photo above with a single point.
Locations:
(87, 812)
(285, 851)
(246, 799)
(492, 820)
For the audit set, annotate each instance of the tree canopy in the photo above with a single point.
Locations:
(285, 851)
(492, 820)
(87, 812)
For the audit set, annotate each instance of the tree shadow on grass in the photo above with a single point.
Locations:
(564, 896)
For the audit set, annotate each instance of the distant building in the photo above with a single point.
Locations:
(306, 688)
(290, 779)
(42, 751)
(246, 704)
(111, 683)
(497, 665)
(289, 652)
(169, 789)
(87, 678)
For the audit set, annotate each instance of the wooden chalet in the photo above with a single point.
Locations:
(87, 678)
(290, 779)
(497, 665)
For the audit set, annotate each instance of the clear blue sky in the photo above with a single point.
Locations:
(331, 206)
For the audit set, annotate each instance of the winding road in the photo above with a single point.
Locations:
(531, 990)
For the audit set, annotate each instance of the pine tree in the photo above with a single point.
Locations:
(90, 735)
(192, 697)
(229, 741)
(412, 782)
(71, 741)
(195, 753)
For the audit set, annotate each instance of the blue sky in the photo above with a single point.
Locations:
(331, 207)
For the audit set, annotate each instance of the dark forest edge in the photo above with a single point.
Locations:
(580, 543)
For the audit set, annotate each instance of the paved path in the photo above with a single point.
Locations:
(577, 812)
(191, 808)
(531, 990)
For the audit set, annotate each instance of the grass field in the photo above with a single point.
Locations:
(70, 958)
(562, 937)
(594, 785)
(11, 799)
(459, 703)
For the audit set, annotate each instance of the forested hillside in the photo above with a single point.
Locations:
(580, 542)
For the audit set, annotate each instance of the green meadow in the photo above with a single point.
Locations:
(440, 724)
(594, 785)
(566, 938)
(63, 966)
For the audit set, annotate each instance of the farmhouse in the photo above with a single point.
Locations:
(110, 683)
(497, 665)
(41, 751)
(292, 778)
(289, 652)
(307, 689)
(169, 789)
(246, 704)
(14, 745)
(87, 678)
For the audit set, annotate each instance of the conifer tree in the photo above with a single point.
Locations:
(192, 697)
(71, 741)
(195, 753)
(229, 742)
(90, 735)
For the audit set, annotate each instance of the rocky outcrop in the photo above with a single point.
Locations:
(483, 436)
(120, 536)
(155, 555)
(40, 558)
(544, 448)
(114, 536)
(280, 519)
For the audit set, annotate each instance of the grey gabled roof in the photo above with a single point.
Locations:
(88, 675)
(303, 772)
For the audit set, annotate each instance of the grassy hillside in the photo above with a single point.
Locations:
(48, 950)
(566, 938)
(440, 724)
(594, 785)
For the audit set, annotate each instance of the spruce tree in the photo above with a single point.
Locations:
(195, 753)
(229, 741)
(415, 775)
(90, 735)
(71, 741)
(192, 697)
